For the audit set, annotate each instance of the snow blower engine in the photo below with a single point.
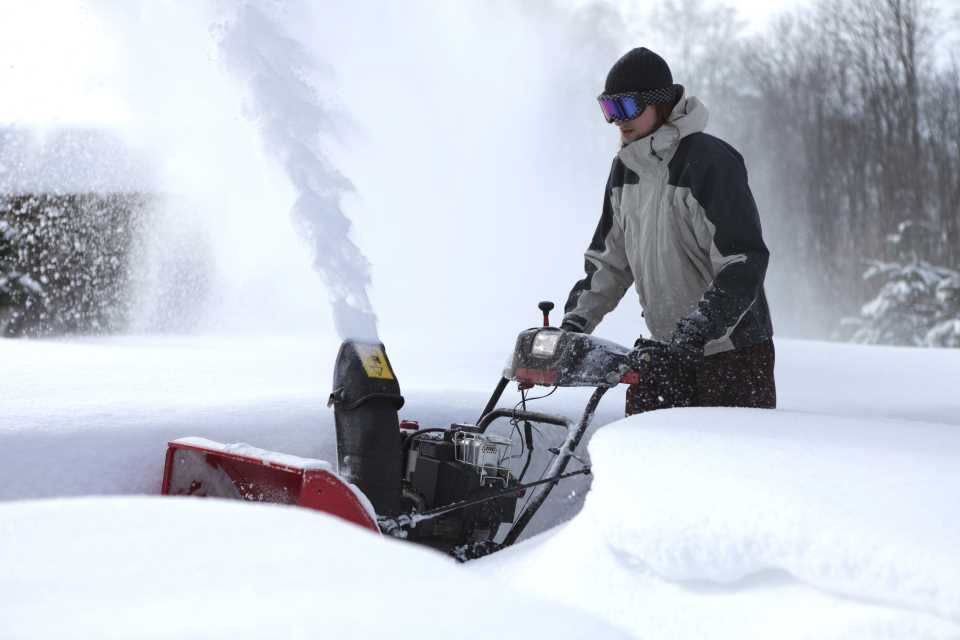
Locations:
(455, 489)
(405, 470)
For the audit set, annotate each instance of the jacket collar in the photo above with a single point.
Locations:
(655, 150)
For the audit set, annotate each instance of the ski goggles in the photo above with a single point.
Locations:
(617, 107)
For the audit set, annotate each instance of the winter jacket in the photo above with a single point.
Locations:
(680, 223)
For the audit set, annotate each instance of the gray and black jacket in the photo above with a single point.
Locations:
(680, 223)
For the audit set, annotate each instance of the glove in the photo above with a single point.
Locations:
(668, 370)
(651, 354)
(654, 356)
(688, 342)
(684, 351)
(667, 377)
(569, 326)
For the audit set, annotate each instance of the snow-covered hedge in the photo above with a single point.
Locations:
(20, 294)
(64, 262)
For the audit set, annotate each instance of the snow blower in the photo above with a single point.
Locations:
(452, 489)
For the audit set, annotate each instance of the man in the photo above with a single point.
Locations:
(680, 222)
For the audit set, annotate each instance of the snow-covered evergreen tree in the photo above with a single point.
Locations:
(917, 302)
(946, 330)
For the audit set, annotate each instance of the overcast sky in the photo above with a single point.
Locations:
(58, 62)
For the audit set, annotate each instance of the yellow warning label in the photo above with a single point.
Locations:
(374, 362)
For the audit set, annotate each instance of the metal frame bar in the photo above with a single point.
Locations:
(559, 464)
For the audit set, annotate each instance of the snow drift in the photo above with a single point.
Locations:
(749, 503)
(183, 568)
(700, 523)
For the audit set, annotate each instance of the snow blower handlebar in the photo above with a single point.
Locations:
(555, 473)
(553, 357)
(550, 356)
(519, 414)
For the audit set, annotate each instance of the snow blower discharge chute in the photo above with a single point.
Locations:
(453, 489)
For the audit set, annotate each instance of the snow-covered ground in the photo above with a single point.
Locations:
(834, 516)
(161, 568)
(742, 524)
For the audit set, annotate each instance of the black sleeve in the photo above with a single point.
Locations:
(717, 179)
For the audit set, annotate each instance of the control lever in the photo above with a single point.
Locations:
(546, 307)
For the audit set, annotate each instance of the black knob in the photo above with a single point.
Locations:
(546, 307)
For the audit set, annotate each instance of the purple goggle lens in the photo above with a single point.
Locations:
(621, 107)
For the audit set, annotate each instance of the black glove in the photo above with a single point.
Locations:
(569, 326)
(688, 342)
(651, 354)
(668, 370)
(654, 356)
(667, 377)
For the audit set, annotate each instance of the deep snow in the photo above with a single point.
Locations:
(738, 523)
(834, 516)
(165, 568)
(98, 411)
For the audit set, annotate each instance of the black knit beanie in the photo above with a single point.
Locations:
(641, 70)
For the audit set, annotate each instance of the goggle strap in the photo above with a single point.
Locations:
(626, 106)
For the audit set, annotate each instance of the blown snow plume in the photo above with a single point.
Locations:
(275, 69)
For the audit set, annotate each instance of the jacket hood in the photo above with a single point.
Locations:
(688, 116)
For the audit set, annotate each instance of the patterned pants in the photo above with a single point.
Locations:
(738, 378)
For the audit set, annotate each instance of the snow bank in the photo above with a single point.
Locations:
(869, 381)
(691, 507)
(862, 508)
(701, 523)
(93, 417)
(191, 568)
